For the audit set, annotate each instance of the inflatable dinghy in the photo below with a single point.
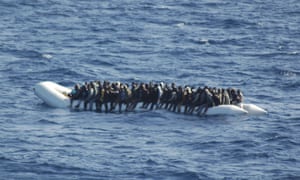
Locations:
(56, 96)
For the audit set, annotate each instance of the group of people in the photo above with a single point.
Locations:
(120, 97)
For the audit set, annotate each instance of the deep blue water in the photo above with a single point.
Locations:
(251, 45)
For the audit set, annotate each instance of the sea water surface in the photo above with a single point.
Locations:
(251, 45)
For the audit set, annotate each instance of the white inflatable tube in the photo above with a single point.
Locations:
(253, 109)
(56, 96)
(226, 110)
(53, 94)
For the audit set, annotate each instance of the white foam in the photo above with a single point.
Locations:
(47, 56)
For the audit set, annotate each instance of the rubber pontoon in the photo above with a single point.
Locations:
(55, 95)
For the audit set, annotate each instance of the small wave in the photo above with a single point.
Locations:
(273, 54)
(177, 131)
(26, 53)
(47, 56)
(200, 41)
(150, 142)
(124, 147)
(291, 143)
(8, 4)
(59, 71)
(214, 4)
(230, 41)
(48, 167)
(180, 25)
(184, 175)
(257, 155)
(295, 119)
(100, 63)
(232, 23)
(105, 42)
(189, 4)
(236, 23)
(20, 65)
(164, 7)
(245, 143)
(45, 121)
(73, 139)
(285, 72)
(3, 158)
(241, 154)
(293, 53)
(275, 137)
(205, 145)
(151, 162)
(290, 85)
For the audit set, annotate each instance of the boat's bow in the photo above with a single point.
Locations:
(53, 94)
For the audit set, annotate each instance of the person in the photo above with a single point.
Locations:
(75, 94)
(225, 97)
(219, 92)
(234, 99)
(216, 98)
(134, 97)
(167, 96)
(144, 90)
(208, 102)
(239, 98)
(229, 94)
(187, 96)
(90, 96)
(122, 97)
(114, 93)
(154, 96)
(128, 96)
(173, 98)
(179, 99)
(164, 96)
(94, 95)
(99, 97)
(106, 95)
(197, 100)
(83, 94)
(160, 94)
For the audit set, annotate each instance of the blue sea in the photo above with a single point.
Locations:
(250, 45)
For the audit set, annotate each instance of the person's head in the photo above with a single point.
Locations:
(199, 90)
(161, 84)
(118, 83)
(150, 84)
(98, 83)
(173, 85)
(77, 86)
(91, 84)
(232, 91)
